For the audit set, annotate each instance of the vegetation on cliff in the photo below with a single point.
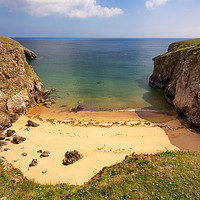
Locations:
(20, 87)
(167, 175)
(178, 72)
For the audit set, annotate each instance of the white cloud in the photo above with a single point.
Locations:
(150, 4)
(68, 8)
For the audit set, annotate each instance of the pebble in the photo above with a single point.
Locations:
(27, 129)
(44, 171)
(24, 154)
(6, 149)
(16, 160)
(39, 151)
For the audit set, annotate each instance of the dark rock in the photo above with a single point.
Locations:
(2, 137)
(3, 143)
(31, 123)
(33, 163)
(39, 151)
(24, 154)
(10, 133)
(48, 103)
(18, 139)
(99, 82)
(6, 149)
(77, 109)
(71, 157)
(45, 154)
(16, 160)
(7, 139)
(29, 54)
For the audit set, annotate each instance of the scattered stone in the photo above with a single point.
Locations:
(99, 82)
(33, 163)
(27, 129)
(16, 160)
(3, 143)
(7, 139)
(24, 154)
(77, 109)
(31, 123)
(39, 151)
(45, 154)
(44, 171)
(18, 139)
(71, 157)
(10, 133)
(48, 103)
(6, 149)
(2, 137)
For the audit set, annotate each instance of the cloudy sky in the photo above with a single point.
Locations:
(100, 18)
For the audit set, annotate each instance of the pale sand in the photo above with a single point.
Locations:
(104, 141)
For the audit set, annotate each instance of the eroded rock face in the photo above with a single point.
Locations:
(178, 73)
(20, 87)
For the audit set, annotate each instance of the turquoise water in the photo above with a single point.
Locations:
(99, 74)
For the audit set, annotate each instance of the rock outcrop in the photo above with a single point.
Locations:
(178, 73)
(20, 87)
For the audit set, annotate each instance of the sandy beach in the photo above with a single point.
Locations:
(104, 138)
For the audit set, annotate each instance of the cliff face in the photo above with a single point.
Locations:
(178, 73)
(20, 87)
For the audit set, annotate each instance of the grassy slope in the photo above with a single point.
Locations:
(187, 43)
(169, 175)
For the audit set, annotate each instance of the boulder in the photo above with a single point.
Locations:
(18, 139)
(77, 109)
(2, 137)
(45, 154)
(9, 133)
(71, 157)
(31, 123)
(33, 163)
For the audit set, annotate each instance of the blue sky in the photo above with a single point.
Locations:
(100, 18)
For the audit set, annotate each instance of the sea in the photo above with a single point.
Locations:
(99, 74)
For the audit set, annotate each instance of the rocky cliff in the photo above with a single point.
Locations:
(20, 87)
(178, 73)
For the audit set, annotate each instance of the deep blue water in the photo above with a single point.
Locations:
(100, 74)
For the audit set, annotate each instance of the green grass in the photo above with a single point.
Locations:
(187, 43)
(167, 175)
(11, 41)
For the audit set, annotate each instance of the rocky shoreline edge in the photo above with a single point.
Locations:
(20, 87)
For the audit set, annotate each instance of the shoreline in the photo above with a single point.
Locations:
(103, 137)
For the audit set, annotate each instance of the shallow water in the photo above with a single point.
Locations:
(100, 74)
